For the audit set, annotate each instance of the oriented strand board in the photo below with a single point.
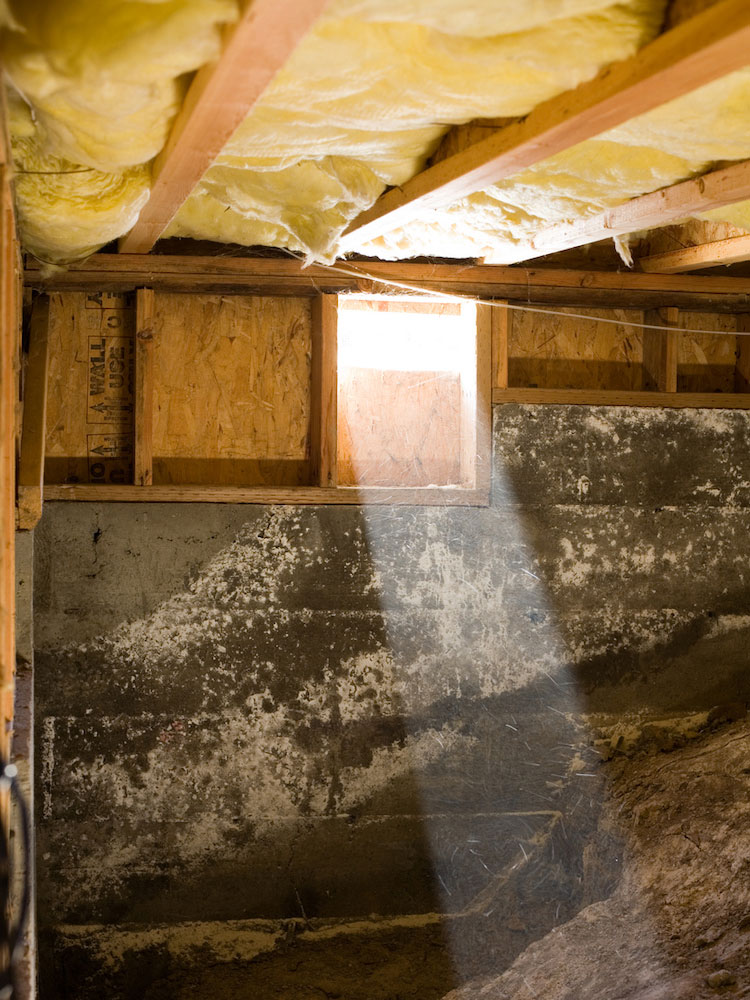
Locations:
(706, 362)
(398, 428)
(564, 352)
(231, 389)
(90, 391)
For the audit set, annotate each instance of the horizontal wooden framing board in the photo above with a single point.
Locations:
(659, 208)
(267, 276)
(730, 251)
(431, 496)
(699, 50)
(612, 397)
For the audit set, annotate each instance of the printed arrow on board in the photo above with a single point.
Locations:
(112, 407)
(107, 450)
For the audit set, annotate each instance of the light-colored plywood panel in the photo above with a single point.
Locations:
(563, 352)
(90, 388)
(398, 428)
(231, 380)
(706, 362)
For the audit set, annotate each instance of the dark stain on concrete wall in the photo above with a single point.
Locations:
(317, 746)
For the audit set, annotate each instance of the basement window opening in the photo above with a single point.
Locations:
(407, 392)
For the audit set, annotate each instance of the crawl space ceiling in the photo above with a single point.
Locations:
(93, 86)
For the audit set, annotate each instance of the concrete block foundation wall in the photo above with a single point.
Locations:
(380, 752)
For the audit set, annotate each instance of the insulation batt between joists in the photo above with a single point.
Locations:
(361, 104)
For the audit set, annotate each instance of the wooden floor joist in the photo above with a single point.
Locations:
(220, 97)
(269, 276)
(696, 52)
(660, 208)
(693, 258)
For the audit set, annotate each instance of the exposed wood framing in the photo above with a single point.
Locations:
(434, 496)
(742, 367)
(143, 459)
(612, 397)
(693, 258)
(710, 45)
(660, 208)
(219, 98)
(500, 324)
(9, 346)
(323, 422)
(31, 463)
(264, 276)
(660, 351)
(479, 417)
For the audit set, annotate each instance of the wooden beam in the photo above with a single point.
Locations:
(324, 379)
(481, 459)
(694, 258)
(742, 365)
(500, 335)
(303, 495)
(9, 349)
(614, 397)
(659, 208)
(33, 439)
(708, 46)
(143, 397)
(265, 276)
(660, 351)
(219, 99)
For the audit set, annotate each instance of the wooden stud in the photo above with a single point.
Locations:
(501, 320)
(742, 367)
(699, 50)
(31, 463)
(144, 388)
(219, 99)
(613, 397)
(324, 383)
(483, 395)
(660, 351)
(10, 326)
(268, 276)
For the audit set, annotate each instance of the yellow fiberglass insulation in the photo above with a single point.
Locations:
(361, 105)
(367, 95)
(94, 87)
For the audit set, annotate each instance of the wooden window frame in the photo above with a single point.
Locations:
(323, 434)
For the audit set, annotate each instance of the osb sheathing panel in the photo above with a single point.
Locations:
(231, 389)
(705, 362)
(560, 351)
(398, 428)
(231, 400)
(90, 388)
